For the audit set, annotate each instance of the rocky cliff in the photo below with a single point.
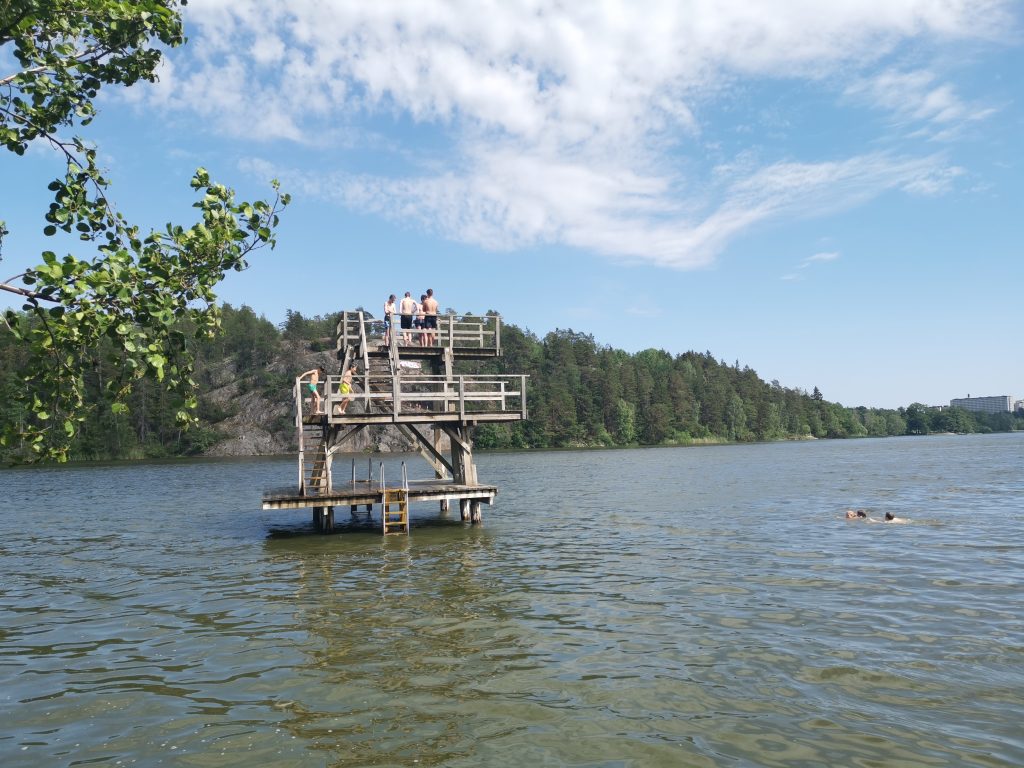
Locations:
(254, 411)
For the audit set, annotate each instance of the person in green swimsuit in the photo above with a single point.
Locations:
(312, 386)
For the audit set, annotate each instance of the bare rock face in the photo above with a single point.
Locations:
(256, 408)
(257, 419)
(257, 428)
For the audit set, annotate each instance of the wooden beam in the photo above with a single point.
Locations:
(455, 437)
(337, 442)
(430, 448)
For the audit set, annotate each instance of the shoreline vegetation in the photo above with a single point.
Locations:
(581, 396)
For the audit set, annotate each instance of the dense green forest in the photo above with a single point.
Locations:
(580, 394)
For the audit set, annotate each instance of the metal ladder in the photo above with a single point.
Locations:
(394, 519)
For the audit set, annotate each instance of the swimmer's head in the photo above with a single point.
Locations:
(889, 516)
(856, 514)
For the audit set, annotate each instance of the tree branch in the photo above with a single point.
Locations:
(33, 71)
(34, 295)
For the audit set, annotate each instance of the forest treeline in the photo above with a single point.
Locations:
(581, 393)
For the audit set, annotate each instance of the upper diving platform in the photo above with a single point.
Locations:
(401, 380)
(468, 337)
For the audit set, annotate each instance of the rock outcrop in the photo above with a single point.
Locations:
(257, 410)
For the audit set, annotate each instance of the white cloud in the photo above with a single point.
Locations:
(918, 97)
(819, 257)
(507, 200)
(568, 123)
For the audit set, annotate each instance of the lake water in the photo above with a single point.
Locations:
(665, 607)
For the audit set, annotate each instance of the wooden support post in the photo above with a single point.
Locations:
(438, 474)
(464, 509)
(298, 426)
(328, 457)
(354, 509)
(328, 515)
(475, 511)
(316, 518)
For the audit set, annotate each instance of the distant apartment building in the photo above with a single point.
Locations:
(994, 404)
(1019, 405)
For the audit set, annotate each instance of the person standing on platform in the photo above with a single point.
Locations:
(407, 309)
(430, 319)
(420, 322)
(312, 385)
(389, 313)
(346, 387)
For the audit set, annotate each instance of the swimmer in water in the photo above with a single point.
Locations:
(891, 518)
(856, 514)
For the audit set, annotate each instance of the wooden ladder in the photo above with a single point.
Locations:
(314, 479)
(394, 504)
(395, 511)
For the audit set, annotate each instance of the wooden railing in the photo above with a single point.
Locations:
(463, 396)
(465, 332)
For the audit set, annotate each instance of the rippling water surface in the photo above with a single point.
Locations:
(663, 607)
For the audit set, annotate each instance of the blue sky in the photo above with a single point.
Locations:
(830, 193)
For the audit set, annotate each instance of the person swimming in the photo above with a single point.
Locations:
(856, 514)
(891, 518)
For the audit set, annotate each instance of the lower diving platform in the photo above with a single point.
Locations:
(369, 493)
(372, 492)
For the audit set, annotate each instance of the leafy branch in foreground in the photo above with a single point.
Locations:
(130, 299)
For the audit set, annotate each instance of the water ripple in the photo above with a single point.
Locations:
(699, 607)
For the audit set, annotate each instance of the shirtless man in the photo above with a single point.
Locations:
(419, 324)
(407, 308)
(430, 319)
(346, 386)
(315, 398)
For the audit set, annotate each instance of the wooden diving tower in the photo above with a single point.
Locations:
(418, 390)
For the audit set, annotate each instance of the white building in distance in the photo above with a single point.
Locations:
(993, 404)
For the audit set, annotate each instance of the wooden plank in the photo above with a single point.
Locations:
(371, 493)
(455, 437)
(426, 417)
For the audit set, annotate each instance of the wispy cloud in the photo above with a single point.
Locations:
(565, 123)
(917, 98)
(816, 258)
(819, 257)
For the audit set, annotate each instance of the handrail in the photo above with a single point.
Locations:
(466, 332)
(481, 393)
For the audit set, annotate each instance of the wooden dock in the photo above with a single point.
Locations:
(420, 392)
(371, 492)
